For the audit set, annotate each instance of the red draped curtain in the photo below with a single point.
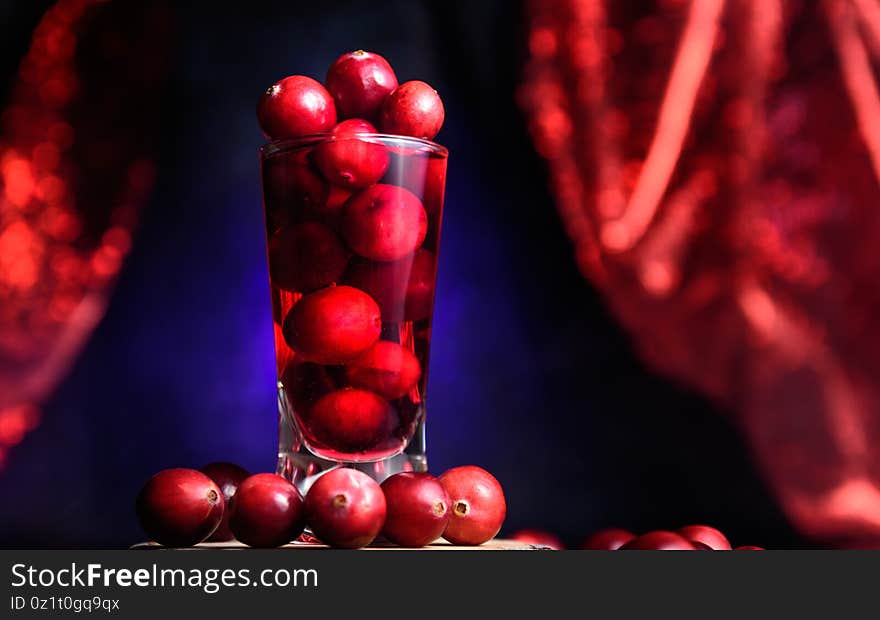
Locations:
(716, 165)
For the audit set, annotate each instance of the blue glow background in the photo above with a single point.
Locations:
(530, 378)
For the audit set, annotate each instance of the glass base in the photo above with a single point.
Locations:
(302, 468)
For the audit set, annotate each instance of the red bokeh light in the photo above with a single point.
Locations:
(67, 204)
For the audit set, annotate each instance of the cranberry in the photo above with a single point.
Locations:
(304, 383)
(284, 355)
(659, 540)
(291, 186)
(227, 476)
(539, 539)
(384, 222)
(413, 109)
(418, 509)
(750, 548)
(478, 506)
(267, 511)
(709, 536)
(180, 507)
(333, 325)
(610, 539)
(422, 174)
(296, 106)
(350, 420)
(345, 508)
(329, 212)
(404, 289)
(359, 82)
(388, 369)
(348, 161)
(305, 257)
(335, 201)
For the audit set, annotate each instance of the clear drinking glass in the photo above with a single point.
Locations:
(353, 227)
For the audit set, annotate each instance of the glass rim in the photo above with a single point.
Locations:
(289, 144)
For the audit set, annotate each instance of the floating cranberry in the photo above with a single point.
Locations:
(179, 507)
(291, 187)
(388, 369)
(359, 82)
(418, 509)
(749, 548)
(306, 256)
(413, 109)
(345, 508)
(266, 511)
(610, 539)
(304, 383)
(350, 420)
(227, 476)
(435, 184)
(296, 106)
(384, 222)
(404, 289)
(335, 201)
(349, 161)
(478, 506)
(539, 538)
(420, 172)
(333, 325)
(659, 540)
(707, 535)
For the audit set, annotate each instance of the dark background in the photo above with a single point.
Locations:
(530, 376)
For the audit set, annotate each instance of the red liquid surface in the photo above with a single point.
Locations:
(352, 399)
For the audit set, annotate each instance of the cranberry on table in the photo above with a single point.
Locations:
(348, 161)
(478, 505)
(227, 476)
(404, 289)
(387, 368)
(333, 325)
(345, 508)
(266, 511)
(359, 82)
(296, 106)
(418, 509)
(350, 420)
(306, 256)
(707, 535)
(384, 222)
(413, 109)
(610, 539)
(180, 507)
(539, 538)
(659, 540)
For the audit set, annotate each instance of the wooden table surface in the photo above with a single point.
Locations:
(497, 544)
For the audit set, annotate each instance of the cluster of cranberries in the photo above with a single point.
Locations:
(344, 507)
(352, 224)
(687, 538)
(361, 86)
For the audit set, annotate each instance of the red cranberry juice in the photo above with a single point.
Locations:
(353, 227)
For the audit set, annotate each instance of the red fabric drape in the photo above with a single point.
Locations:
(716, 165)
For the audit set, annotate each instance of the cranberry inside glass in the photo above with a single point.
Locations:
(352, 266)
